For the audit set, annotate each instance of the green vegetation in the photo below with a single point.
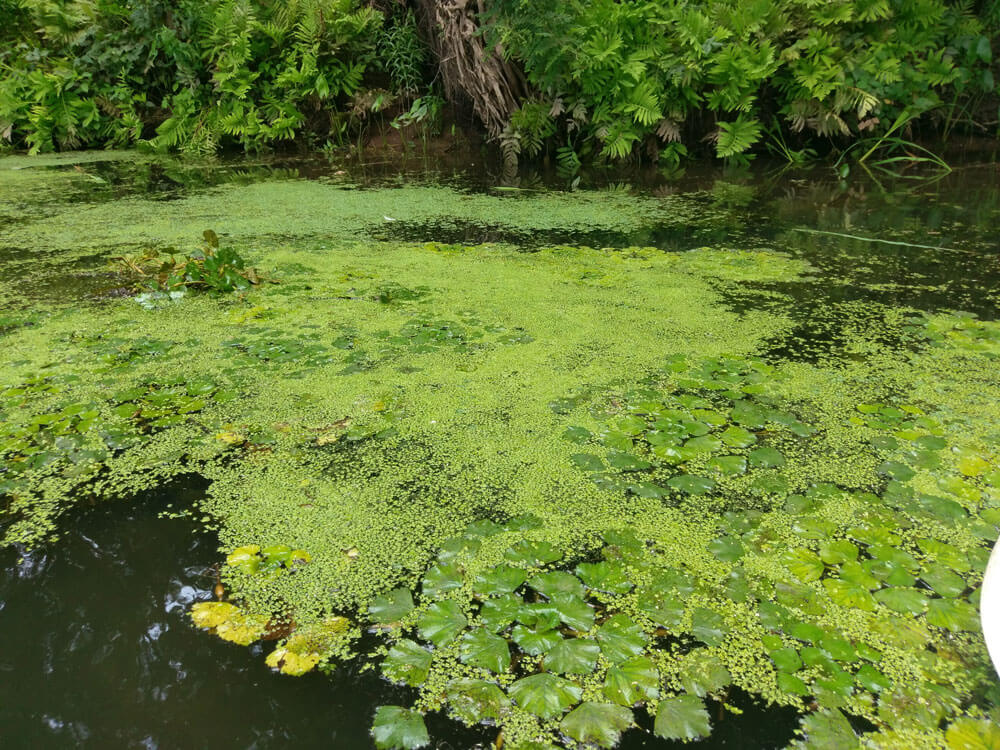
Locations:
(566, 491)
(595, 80)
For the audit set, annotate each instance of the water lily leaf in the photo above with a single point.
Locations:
(617, 440)
(896, 470)
(973, 734)
(727, 548)
(539, 615)
(804, 564)
(805, 631)
(943, 581)
(837, 551)
(708, 627)
(531, 553)
(946, 554)
(572, 656)
(609, 576)
(442, 578)
(545, 694)
(700, 445)
(737, 437)
(442, 622)
(691, 484)
(587, 461)
(291, 662)
(786, 659)
(972, 465)
(556, 582)
(500, 612)
(872, 680)
(407, 662)
(627, 462)
(632, 681)
(392, 607)
(854, 572)
(766, 458)
(457, 547)
(620, 638)
(848, 594)
(732, 466)
(535, 642)
(578, 434)
(838, 648)
(669, 453)
(573, 611)
(632, 425)
(702, 674)
(599, 724)
(663, 609)
(905, 600)
(244, 559)
(502, 579)
(952, 615)
(480, 648)
(682, 718)
(213, 614)
(398, 728)
(827, 729)
(474, 701)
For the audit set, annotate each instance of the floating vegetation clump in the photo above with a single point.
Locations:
(568, 493)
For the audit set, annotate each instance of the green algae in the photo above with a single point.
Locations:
(573, 456)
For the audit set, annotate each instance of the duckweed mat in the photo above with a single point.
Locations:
(560, 493)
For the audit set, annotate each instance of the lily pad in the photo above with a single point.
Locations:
(535, 642)
(531, 553)
(692, 484)
(398, 728)
(572, 656)
(607, 576)
(727, 549)
(953, 615)
(849, 595)
(480, 648)
(737, 437)
(499, 612)
(475, 701)
(503, 579)
(682, 718)
(599, 724)
(708, 627)
(442, 578)
(545, 695)
(943, 581)
(392, 607)
(837, 551)
(442, 622)
(804, 564)
(732, 466)
(904, 600)
(573, 611)
(407, 662)
(766, 458)
(620, 638)
(557, 582)
(632, 681)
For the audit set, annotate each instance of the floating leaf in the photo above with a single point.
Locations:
(732, 466)
(973, 734)
(848, 594)
(837, 551)
(789, 683)
(407, 662)
(499, 612)
(872, 680)
(627, 462)
(766, 458)
(599, 724)
(682, 718)
(572, 656)
(587, 461)
(663, 609)
(632, 681)
(442, 622)
(291, 662)
(577, 434)
(605, 576)
(545, 695)
(620, 638)
(727, 549)
(480, 648)
(828, 730)
(442, 578)
(392, 607)
(946, 554)
(943, 581)
(737, 437)
(786, 659)
(556, 582)
(535, 642)
(691, 484)
(398, 728)
(502, 579)
(905, 600)
(532, 553)
(475, 701)
(703, 674)
(804, 564)
(573, 611)
(708, 627)
(952, 615)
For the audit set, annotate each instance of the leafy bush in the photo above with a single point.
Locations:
(620, 75)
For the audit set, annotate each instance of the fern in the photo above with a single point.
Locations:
(737, 136)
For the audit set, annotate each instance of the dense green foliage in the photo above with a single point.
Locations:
(613, 75)
(604, 79)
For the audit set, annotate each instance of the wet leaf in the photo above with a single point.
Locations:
(837, 551)
(392, 607)
(872, 680)
(905, 600)
(610, 577)
(398, 728)
(500, 612)
(442, 622)
(572, 656)
(442, 578)
(663, 609)
(620, 638)
(573, 611)
(848, 594)
(691, 484)
(407, 662)
(737, 437)
(766, 458)
(535, 642)
(475, 701)
(599, 724)
(953, 615)
(804, 564)
(973, 734)
(532, 553)
(480, 648)
(577, 434)
(732, 466)
(828, 729)
(727, 549)
(786, 659)
(632, 681)
(943, 581)
(556, 582)
(502, 579)
(545, 695)
(682, 718)
(708, 627)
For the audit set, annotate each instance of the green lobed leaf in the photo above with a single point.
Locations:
(545, 695)
(392, 607)
(556, 582)
(620, 638)
(572, 656)
(480, 648)
(407, 662)
(475, 701)
(599, 724)
(535, 642)
(398, 728)
(442, 622)
(682, 718)
(632, 681)
(503, 579)
(608, 576)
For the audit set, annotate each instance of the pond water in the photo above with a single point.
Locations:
(707, 453)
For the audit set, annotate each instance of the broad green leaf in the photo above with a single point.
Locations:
(577, 434)
(827, 729)
(905, 600)
(456, 547)
(691, 484)
(541, 615)
(398, 728)
(789, 683)
(392, 607)
(682, 718)
(475, 701)
(503, 579)
(943, 581)
(587, 461)
(786, 659)
(620, 638)
(732, 466)
(556, 582)
(532, 553)
(837, 551)
(838, 648)
(573, 611)
(440, 579)
(407, 662)
(703, 674)
(663, 609)
(599, 724)
(480, 648)
(953, 615)
(854, 572)
(946, 554)
(501, 611)
(632, 681)
(871, 679)
(627, 461)
(849, 595)
(545, 695)
(442, 622)
(727, 548)
(535, 642)
(973, 734)
(737, 437)
(572, 656)
(708, 627)
(766, 457)
(609, 576)
(804, 564)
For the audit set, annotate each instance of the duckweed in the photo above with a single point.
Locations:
(562, 488)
